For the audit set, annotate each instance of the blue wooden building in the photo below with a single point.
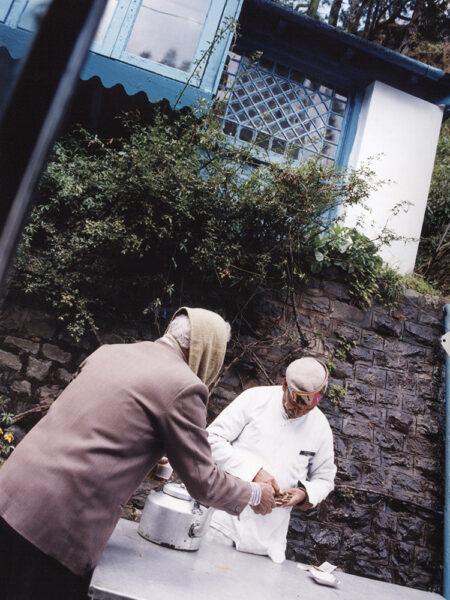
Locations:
(290, 84)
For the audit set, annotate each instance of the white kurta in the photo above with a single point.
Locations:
(254, 432)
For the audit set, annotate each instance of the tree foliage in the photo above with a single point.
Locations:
(417, 28)
(124, 224)
(412, 27)
(433, 259)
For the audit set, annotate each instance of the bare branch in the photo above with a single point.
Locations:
(36, 409)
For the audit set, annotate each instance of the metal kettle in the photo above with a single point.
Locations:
(172, 518)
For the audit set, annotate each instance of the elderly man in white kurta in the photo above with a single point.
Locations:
(275, 434)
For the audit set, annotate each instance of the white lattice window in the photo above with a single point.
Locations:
(281, 110)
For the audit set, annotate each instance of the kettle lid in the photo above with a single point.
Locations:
(177, 490)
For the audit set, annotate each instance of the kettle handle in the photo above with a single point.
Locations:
(199, 528)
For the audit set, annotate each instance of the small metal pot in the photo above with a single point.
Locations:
(172, 518)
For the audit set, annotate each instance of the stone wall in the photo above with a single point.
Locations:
(384, 519)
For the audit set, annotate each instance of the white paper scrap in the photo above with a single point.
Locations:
(326, 567)
(324, 578)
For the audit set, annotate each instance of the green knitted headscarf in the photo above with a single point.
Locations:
(208, 342)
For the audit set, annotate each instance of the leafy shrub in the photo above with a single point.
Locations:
(123, 225)
(433, 257)
(345, 346)
(390, 285)
(358, 257)
(6, 433)
(335, 394)
(417, 283)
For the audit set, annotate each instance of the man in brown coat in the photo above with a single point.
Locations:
(62, 489)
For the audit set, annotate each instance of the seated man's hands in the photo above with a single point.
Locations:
(267, 500)
(263, 476)
(292, 497)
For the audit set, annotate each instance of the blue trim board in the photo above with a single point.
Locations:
(347, 140)
(206, 64)
(134, 80)
(125, 25)
(216, 59)
(349, 128)
(16, 41)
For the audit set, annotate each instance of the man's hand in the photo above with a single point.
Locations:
(267, 500)
(162, 471)
(263, 476)
(296, 495)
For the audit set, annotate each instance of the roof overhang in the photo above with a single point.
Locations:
(340, 55)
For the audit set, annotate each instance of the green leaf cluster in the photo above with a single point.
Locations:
(433, 257)
(345, 346)
(124, 225)
(335, 394)
(356, 255)
(6, 432)
(417, 283)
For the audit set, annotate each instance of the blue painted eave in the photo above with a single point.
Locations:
(110, 62)
(134, 80)
(112, 72)
(271, 24)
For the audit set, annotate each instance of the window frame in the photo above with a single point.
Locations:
(119, 30)
(349, 117)
(107, 60)
(355, 96)
(5, 5)
(210, 27)
(105, 47)
(16, 8)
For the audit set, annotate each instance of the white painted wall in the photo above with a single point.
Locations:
(404, 131)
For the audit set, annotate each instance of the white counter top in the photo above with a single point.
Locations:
(133, 568)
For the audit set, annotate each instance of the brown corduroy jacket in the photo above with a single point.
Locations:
(63, 486)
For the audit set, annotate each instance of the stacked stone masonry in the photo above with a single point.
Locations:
(384, 519)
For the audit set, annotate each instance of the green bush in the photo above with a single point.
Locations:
(123, 225)
(433, 257)
(356, 255)
(417, 283)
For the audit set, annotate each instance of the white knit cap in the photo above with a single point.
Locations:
(305, 375)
